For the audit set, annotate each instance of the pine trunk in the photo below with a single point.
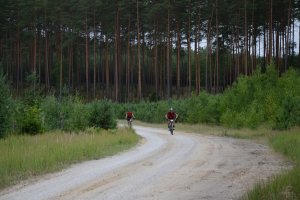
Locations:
(116, 51)
(86, 58)
(178, 58)
(139, 54)
(168, 53)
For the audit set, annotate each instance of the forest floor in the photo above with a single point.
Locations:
(163, 166)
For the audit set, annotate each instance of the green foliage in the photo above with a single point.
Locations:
(102, 115)
(68, 114)
(32, 95)
(71, 114)
(76, 114)
(52, 114)
(263, 98)
(288, 114)
(5, 107)
(31, 121)
(287, 143)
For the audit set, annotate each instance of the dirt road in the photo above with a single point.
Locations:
(182, 166)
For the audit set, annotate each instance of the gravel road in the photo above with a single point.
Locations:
(183, 166)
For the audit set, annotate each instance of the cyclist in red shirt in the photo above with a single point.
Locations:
(129, 116)
(171, 115)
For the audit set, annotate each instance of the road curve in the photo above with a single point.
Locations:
(162, 166)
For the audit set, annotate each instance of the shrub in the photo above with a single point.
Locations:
(73, 114)
(5, 107)
(102, 115)
(31, 121)
(68, 114)
(288, 115)
(52, 115)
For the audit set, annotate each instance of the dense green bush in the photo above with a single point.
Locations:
(31, 121)
(262, 98)
(76, 114)
(102, 115)
(288, 114)
(68, 113)
(252, 100)
(52, 114)
(5, 106)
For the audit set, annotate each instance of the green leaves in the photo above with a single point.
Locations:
(5, 106)
(102, 115)
(250, 102)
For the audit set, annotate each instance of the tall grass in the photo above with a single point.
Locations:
(26, 156)
(287, 185)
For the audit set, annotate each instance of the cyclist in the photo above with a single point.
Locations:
(171, 115)
(129, 115)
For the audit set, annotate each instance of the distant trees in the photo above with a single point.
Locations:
(133, 49)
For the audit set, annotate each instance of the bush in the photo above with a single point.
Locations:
(52, 114)
(102, 115)
(68, 114)
(5, 107)
(288, 115)
(31, 121)
(77, 115)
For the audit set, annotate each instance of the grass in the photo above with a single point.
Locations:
(27, 156)
(285, 186)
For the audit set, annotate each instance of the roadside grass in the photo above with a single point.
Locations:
(287, 185)
(27, 156)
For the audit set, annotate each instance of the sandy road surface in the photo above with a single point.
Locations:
(182, 166)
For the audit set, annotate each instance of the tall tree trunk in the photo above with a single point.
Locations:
(246, 39)
(106, 67)
(189, 50)
(70, 81)
(287, 38)
(18, 56)
(47, 81)
(265, 50)
(61, 63)
(277, 48)
(86, 57)
(116, 55)
(168, 53)
(178, 58)
(95, 54)
(270, 32)
(217, 50)
(128, 59)
(34, 58)
(207, 53)
(253, 42)
(196, 57)
(155, 61)
(139, 54)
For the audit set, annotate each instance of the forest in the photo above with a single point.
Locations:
(70, 69)
(127, 50)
